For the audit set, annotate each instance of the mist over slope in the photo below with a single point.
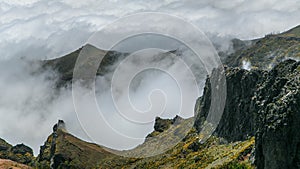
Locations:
(267, 111)
(39, 93)
(266, 52)
(240, 121)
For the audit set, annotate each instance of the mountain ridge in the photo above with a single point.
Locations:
(259, 126)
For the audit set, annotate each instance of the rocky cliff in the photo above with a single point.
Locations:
(63, 150)
(261, 104)
(277, 102)
(19, 153)
(237, 122)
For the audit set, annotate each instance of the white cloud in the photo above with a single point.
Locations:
(48, 25)
(30, 105)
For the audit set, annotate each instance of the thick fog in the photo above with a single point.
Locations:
(47, 29)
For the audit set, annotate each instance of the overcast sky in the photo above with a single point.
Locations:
(47, 29)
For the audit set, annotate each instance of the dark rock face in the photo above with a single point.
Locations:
(21, 149)
(47, 157)
(22, 154)
(58, 161)
(237, 122)
(162, 124)
(261, 104)
(19, 153)
(59, 125)
(4, 146)
(278, 121)
(4, 149)
(62, 150)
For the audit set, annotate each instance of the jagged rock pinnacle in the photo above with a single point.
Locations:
(59, 125)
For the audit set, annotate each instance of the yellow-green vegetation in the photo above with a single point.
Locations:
(298, 68)
(163, 140)
(295, 32)
(266, 52)
(188, 153)
(19, 153)
(211, 154)
(4, 148)
(270, 50)
(235, 165)
(71, 152)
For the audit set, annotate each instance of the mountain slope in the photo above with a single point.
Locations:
(268, 110)
(278, 117)
(266, 52)
(19, 153)
(265, 105)
(238, 118)
(65, 65)
(63, 150)
(246, 114)
(8, 164)
(261, 118)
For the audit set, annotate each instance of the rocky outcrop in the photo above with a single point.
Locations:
(237, 122)
(60, 125)
(63, 150)
(19, 153)
(162, 125)
(4, 149)
(4, 146)
(261, 104)
(278, 118)
(22, 154)
(47, 158)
